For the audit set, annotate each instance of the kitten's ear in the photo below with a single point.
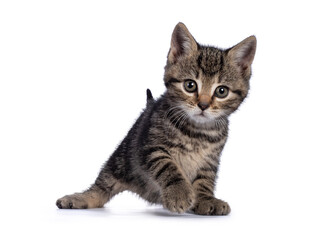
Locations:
(182, 43)
(242, 55)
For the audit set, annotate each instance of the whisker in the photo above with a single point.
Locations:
(184, 120)
(171, 109)
(181, 120)
(176, 115)
(178, 119)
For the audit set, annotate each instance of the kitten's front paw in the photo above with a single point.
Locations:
(212, 206)
(178, 198)
(74, 201)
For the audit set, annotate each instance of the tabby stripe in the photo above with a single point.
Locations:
(212, 168)
(170, 81)
(200, 177)
(202, 136)
(174, 180)
(102, 187)
(218, 149)
(154, 164)
(199, 61)
(197, 74)
(154, 160)
(175, 145)
(239, 92)
(205, 169)
(173, 80)
(162, 170)
(205, 187)
(204, 196)
(150, 150)
(222, 63)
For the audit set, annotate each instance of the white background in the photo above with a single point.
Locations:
(73, 76)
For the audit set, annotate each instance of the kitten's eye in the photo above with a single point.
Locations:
(221, 92)
(190, 86)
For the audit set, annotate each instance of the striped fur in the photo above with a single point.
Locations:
(171, 154)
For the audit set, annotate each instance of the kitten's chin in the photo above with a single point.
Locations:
(202, 118)
(205, 119)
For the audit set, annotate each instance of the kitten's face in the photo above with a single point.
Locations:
(206, 83)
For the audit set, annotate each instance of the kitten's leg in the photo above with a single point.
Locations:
(104, 188)
(206, 203)
(177, 194)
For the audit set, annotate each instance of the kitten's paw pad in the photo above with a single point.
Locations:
(74, 201)
(212, 206)
(178, 198)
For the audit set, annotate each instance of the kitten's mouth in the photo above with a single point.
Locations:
(202, 115)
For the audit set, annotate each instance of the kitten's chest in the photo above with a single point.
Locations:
(199, 155)
(193, 149)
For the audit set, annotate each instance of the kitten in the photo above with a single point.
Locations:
(171, 154)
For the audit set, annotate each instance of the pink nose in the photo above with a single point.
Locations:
(203, 105)
(204, 102)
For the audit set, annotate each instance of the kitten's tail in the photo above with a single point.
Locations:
(149, 95)
(150, 99)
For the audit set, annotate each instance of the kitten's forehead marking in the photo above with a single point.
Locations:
(210, 60)
(199, 83)
(208, 86)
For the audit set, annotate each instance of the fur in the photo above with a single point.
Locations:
(171, 154)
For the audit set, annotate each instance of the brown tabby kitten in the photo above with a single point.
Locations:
(171, 154)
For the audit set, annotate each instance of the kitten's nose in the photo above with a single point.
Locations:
(204, 102)
(203, 105)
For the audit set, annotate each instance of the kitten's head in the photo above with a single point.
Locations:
(204, 82)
